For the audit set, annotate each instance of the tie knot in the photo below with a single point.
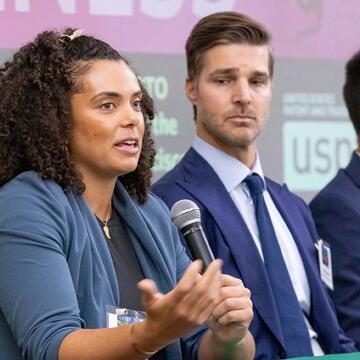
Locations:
(255, 184)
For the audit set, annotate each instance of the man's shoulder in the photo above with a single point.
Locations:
(175, 174)
(340, 193)
(282, 192)
(170, 188)
(173, 178)
(343, 186)
(340, 180)
(182, 181)
(168, 183)
(281, 188)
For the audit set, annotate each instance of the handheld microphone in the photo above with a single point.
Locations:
(185, 214)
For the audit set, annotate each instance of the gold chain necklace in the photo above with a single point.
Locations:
(105, 223)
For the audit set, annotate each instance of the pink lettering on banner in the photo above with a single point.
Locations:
(300, 28)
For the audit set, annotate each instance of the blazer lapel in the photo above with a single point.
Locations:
(320, 307)
(289, 211)
(146, 249)
(90, 228)
(203, 183)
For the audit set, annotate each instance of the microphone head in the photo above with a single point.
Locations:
(185, 212)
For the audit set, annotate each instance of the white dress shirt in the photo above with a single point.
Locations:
(232, 172)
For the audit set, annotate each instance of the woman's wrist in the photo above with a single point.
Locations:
(138, 347)
(142, 340)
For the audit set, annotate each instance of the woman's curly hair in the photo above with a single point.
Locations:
(35, 111)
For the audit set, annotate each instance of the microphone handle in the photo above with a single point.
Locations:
(198, 244)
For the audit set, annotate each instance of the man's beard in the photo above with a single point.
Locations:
(227, 139)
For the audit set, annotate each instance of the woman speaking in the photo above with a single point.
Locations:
(79, 231)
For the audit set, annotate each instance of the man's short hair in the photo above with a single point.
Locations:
(224, 28)
(351, 90)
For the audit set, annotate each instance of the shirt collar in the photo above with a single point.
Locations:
(230, 170)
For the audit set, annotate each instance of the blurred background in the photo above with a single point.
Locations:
(308, 135)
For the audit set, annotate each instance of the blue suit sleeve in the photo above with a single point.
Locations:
(337, 222)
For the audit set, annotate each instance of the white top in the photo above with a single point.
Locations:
(231, 173)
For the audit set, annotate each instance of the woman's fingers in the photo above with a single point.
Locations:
(149, 292)
(205, 295)
(188, 305)
(198, 296)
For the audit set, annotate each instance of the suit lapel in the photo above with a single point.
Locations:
(320, 307)
(205, 186)
(289, 211)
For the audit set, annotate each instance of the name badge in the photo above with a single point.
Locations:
(324, 254)
(121, 316)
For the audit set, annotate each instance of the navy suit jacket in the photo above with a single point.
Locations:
(194, 179)
(336, 210)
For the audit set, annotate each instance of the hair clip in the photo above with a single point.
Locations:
(74, 35)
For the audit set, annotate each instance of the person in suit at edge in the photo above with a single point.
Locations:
(264, 233)
(336, 210)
